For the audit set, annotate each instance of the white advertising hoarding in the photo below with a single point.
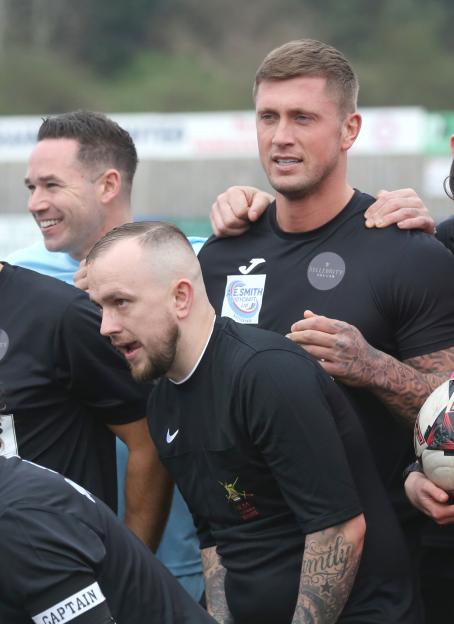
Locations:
(223, 135)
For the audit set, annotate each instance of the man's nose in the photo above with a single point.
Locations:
(283, 134)
(37, 201)
(108, 324)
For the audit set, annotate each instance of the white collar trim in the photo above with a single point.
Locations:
(191, 372)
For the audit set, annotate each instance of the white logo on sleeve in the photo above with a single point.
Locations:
(72, 607)
(80, 489)
(4, 343)
(253, 262)
(8, 441)
(170, 437)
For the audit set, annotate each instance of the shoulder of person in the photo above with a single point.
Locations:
(52, 263)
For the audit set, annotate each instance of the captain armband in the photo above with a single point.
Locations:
(87, 604)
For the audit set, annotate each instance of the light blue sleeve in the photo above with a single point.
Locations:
(197, 243)
(53, 263)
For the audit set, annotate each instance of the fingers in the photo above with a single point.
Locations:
(311, 338)
(424, 223)
(259, 203)
(81, 278)
(221, 228)
(236, 207)
(429, 498)
(316, 322)
(384, 197)
(399, 206)
(229, 213)
(317, 335)
(432, 491)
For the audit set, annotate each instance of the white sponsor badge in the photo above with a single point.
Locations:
(8, 442)
(243, 298)
(72, 607)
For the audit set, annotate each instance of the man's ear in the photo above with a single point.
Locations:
(109, 185)
(452, 144)
(350, 130)
(183, 295)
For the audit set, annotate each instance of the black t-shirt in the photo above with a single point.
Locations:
(62, 382)
(391, 284)
(63, 552)
(263, 446)
(445, 233)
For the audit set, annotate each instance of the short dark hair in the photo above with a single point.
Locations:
(309, 57)
(148, 233)
(449, 182)
(101, 140)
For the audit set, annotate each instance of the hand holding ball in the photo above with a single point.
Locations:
(434, 436)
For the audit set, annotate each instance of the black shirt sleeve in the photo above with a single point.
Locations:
(445, 233)
(293, 426)
(420, 299)
(93, 370)
(53, 559)
(80, 599)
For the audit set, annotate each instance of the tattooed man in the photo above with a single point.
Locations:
(373, 305)
(261, 442)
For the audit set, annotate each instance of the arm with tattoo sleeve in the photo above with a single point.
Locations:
(346, 355)
(214, 573)
(330, 562)
(404, 386)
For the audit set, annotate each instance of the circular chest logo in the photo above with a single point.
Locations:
(4, 343)
(326, 271)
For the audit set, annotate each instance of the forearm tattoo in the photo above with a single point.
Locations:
(214, 573)
(328, 571)
(404, 386)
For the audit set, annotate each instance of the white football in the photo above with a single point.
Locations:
(434, 436)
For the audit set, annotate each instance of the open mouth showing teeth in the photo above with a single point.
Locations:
(48, 223)
(286, 161)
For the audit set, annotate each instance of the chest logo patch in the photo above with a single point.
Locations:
(239, 500)
(326, 271)
(4, 343)
(243, 298)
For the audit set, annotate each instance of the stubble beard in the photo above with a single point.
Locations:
(159, 363)
(301, 189)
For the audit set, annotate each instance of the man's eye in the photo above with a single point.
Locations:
(266, 116)
(120, 303)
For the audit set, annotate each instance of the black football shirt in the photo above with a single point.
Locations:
(394, 286)
(61, 382)
(65, 557)
(265, 449)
